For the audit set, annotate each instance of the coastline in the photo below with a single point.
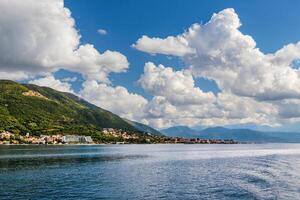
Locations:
(113, 137)
(105, 144)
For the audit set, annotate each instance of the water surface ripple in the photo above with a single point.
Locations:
(252, 171)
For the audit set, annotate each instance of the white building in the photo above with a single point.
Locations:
(77, 139)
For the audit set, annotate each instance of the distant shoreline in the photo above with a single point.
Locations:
(103, 144)
(112, 137)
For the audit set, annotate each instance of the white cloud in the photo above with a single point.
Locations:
(40, 36)
(35, 36)
(253, 84)
(231, 58)
(286, 55)
(177, 46)
(159, 107)
(14, 75)
(115, 99)
(50, 81)
(70, 79)
(178, 87)
(102, 31)
(176, 100)
(96, 66)
(288, 110)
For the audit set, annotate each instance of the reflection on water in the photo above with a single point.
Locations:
(14, 157)
(268, 171)
(47, 161)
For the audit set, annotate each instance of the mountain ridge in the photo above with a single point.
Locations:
(240, 134)
(144, 128)
(43, 110)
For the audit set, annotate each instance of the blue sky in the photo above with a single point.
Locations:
(271, 23)
(162, 63)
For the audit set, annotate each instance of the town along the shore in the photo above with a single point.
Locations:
(107, 136)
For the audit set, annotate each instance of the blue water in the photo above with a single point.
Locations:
(254, 171)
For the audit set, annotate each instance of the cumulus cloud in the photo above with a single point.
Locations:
(115, 99)
(50, 81)
(176, 100)
(177, 46)
(96, 66)
(226, 110)
(70, 79)
(14, 75)
(178, 87)
(38, 37)
(222, 53)
(255, 87)
(286, 55)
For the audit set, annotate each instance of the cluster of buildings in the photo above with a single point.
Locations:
(119, 133)
(121, 136)
(77, 139)
(5, 136)
(10, 138)
(201, 141)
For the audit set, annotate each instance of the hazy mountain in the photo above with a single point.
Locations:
(242, 135)
(180, 131)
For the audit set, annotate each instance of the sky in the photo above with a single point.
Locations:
(162, 63)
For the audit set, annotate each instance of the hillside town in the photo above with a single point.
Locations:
(10, 138)
(113, 136)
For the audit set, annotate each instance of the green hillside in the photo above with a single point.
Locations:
(41, 110)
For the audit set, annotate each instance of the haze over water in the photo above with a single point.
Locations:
(254, 171)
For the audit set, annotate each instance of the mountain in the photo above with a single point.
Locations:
(42, 110)
(180, 131)
(241, 135)
(144, 128)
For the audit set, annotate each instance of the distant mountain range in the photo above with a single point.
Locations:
(242, 135)
(180, 131)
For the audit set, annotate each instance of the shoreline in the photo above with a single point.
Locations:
(125, 144)
(8, 138)
(105, 144)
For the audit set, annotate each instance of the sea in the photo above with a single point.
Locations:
(151, 171)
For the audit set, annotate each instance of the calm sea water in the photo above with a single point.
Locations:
(269, 171)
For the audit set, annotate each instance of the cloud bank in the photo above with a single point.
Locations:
(224, 54)
(40, 37)
(254, 85)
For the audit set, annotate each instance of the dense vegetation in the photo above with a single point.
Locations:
(53, 112)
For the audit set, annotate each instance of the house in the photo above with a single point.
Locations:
(76, 139)
(5, 135)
